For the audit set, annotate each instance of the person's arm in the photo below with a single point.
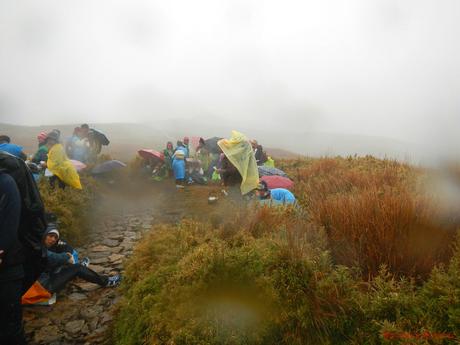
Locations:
(58, 259)
(10, 210)
(63, 247)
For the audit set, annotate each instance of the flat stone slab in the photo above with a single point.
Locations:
(116, 257)
(110, 242)
(97, 268)
(100, 248)
(47, 335)
(87, 287)
(76, 296)
(74, 327)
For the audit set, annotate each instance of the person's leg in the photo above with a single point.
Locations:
(59, 280)
(91, 276)
(11, 330)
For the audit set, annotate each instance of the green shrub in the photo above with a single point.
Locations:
(72, 208)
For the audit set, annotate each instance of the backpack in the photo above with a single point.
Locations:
(32, 224)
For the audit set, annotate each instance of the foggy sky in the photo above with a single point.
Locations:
(374, 67)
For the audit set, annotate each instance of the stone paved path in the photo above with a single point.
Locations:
(84, 311)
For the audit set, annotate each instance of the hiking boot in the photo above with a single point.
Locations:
(85, 261)
(114, 281)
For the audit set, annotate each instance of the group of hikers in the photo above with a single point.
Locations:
(35, 263)
(232, 162)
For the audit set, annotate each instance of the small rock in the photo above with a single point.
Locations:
(106, 319)
(87, 287)
(77, 296)
(115, 257)
(97, 268)
(97, 255)
(99, 261)
(46, 335)
(91, 312)
(110, 243)
(100, 248)
(74, 327)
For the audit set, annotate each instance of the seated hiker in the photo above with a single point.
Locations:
(59, 165)
(276, 196)
(179, 168)
(259, 153)
(229, 173)
(42, 154)
(195, 173)
(62, 267)
(15, 150)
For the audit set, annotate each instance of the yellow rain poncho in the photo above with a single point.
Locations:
(239, 152)
(62, 167)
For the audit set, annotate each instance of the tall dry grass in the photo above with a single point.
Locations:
(375, 212)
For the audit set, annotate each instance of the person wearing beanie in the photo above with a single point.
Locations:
(42, 154)
(62, 266)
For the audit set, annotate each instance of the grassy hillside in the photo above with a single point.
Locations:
(364, 260)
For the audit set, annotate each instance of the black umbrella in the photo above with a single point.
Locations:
(99, 136)
(107, 166)
(211, 144)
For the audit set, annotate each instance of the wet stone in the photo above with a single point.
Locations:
(77, 296)
(47, 335)
(110, 243)
(98, 255)
(87, 287)
(100, 261)
(75, 327)
(91, 312)
(97, 268)
(100, 248)
(116, 257)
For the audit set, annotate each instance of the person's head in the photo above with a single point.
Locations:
(52, 236)
(186, 140)
(254, 144)
(169, 145)
(4, 139)
(52, 138)
(262, 190)
(41, 137)
(77, 131)
(179, 143)
(84, 129)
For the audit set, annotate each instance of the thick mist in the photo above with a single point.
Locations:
(291, 69)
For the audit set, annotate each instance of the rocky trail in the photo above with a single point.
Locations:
(84, 311)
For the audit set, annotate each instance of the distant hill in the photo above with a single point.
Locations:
(127, 138)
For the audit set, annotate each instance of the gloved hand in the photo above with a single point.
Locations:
(71, 259)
